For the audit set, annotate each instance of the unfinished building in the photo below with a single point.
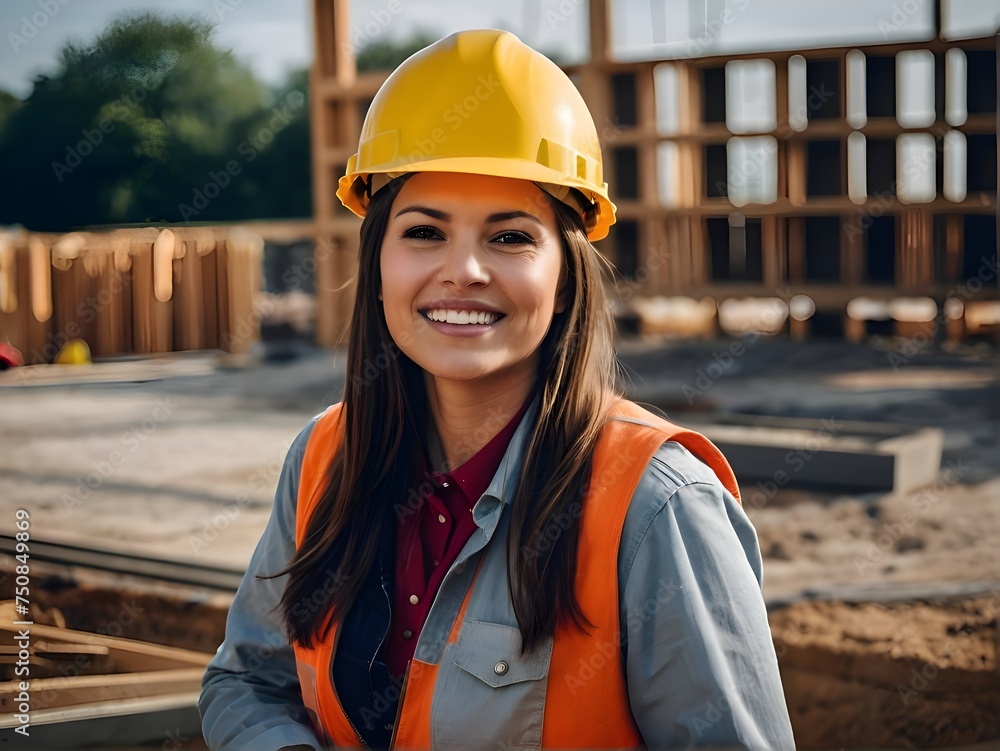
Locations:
(841, 191)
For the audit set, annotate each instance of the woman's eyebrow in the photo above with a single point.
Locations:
(503, 216)
(433, 213)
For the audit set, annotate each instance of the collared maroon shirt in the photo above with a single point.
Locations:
(429, 540)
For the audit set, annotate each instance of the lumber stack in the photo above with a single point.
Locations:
(84, 684)
(130, 291)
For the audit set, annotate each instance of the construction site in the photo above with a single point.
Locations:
(805, 263)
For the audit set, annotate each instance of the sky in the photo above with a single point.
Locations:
(275, 36)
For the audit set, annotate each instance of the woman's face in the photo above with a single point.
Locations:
(472, 268)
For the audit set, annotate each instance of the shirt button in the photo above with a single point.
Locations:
(436, 562)
(444, 484)
(407, 634)
(441, 518)
(414, 599)
(500, 668)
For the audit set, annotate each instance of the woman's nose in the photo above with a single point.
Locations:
(462, 264)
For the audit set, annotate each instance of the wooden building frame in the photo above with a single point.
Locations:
(667, 249)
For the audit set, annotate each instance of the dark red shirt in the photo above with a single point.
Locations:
(433, 528)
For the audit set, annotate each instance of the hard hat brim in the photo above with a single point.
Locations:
(352, 192)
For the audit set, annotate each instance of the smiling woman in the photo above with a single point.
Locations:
(483, 544)
(468, 290)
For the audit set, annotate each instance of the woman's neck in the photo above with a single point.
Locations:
(468, 414)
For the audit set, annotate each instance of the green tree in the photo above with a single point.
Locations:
(274, 155)
(388, 54)
(8, 104)
(129, 127)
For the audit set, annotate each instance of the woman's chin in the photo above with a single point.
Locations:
(465, 370)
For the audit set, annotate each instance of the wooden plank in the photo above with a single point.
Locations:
(54, 648)
(189, 313)
(222, 294)
(118, 647)
(141, 720)
(142, 297)
(75, 690)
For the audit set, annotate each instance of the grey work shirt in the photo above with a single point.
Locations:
(699, 660)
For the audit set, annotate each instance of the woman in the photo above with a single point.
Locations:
(483, 545)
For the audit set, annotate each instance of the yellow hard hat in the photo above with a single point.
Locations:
(73, 352)
(482, 102)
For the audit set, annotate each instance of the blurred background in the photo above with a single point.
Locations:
(805, 270)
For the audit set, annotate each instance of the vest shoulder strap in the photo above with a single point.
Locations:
(693, 441)
(324, 442)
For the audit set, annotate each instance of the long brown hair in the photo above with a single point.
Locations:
(386, 412)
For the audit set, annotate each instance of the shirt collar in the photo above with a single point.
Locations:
(504, 483)
(474, 475)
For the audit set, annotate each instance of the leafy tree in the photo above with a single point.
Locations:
(132, 125)
(8, 104)
(275, 156)
(388, 54)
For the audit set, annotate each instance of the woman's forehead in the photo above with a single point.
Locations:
(463, 194)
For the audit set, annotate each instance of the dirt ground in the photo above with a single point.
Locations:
(863, 588)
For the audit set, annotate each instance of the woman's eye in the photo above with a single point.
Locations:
(422, 232)
(513, 238)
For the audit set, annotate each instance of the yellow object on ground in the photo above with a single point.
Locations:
(74, 352)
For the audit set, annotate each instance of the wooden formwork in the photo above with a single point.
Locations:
(130, 291)
(665, 247)
(78, 689)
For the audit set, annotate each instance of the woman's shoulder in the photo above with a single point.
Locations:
(683, 499)
(672, 475)
(673, 466)
(320, 423)
(297, 450)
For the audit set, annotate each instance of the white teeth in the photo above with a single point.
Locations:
(462, 316)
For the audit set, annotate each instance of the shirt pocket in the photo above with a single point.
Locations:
(490, 694)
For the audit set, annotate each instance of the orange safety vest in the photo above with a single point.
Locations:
(621, 455)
